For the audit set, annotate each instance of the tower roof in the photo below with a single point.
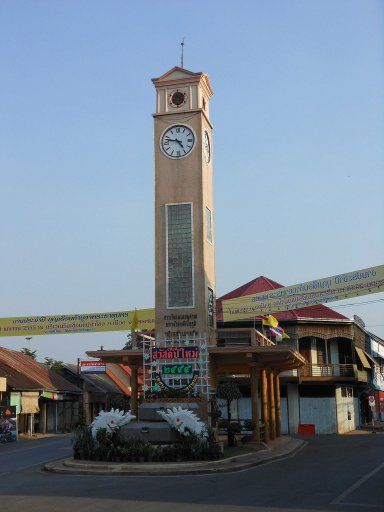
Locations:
(264, 284)
(177, 74)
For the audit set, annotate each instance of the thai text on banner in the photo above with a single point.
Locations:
(319, 291)
(87, 322)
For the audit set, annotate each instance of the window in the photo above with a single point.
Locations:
(208, 224)
(346, 392)
(180, 286)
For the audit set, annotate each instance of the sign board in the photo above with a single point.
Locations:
(8, 424)
(318, 291)
(67, 324)
(3, 384)
(177, 369)
(179, 365)
(371, 401)
(93, 367)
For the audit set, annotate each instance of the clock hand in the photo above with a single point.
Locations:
(179, 142)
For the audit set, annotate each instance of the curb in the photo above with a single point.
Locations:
(231, 464)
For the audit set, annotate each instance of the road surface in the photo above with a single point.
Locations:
(333, 473)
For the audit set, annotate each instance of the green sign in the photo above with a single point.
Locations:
(177, 369)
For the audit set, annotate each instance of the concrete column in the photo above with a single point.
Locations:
(43, 417)
(264, 406)
(255, 403)
(134, 388)
(213, 407)
(293, 401)
(277, 404)
(271, 403)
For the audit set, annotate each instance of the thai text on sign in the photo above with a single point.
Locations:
(175, 353)
(84, 323)
(177, 369)
(319, 291)
(92, 367)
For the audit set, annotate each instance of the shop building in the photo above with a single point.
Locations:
(45, 401)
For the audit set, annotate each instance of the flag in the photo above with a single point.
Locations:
(269, 321)
(279, 331)
(273, 322)
(276, 331)
(135, 321)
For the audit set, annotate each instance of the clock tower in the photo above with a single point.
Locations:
(184, 212)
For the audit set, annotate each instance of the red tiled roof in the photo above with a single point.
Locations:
(24, 369)
(263, 284)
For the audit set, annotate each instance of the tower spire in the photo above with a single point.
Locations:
(182, 53)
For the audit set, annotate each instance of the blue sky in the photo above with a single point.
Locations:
(298, 148)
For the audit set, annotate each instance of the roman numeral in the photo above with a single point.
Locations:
(178, 153)
(177, 130)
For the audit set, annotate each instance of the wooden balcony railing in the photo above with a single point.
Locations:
(241, 337)
(327, 370)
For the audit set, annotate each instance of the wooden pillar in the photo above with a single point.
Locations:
(255, 403)
(43, 417)
(134, 390)
(272, 411)
(264, 406)
(86, 415)
(277, 404)
(213, 377)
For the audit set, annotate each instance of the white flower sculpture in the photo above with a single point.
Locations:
(112, 420)
(184, 421)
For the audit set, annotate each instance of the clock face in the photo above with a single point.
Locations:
(207, 147)
(177, 141)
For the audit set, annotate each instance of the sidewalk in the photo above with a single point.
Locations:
(280, 448)
(36, 436)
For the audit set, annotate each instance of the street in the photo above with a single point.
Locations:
(333, 473)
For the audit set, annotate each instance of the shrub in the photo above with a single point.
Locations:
(111, 447)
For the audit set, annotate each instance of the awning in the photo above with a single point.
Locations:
(374, 361)
(29, 402)
(363, 359)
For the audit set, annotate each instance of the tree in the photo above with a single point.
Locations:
(28, 352)
(53, 364)
(229, 391)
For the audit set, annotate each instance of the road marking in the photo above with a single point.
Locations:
(356, 485)
(361, 505)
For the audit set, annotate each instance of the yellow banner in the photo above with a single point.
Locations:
(66, 324)
(318, 291)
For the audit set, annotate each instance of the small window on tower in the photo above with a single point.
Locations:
(208, 224)
(204, 104)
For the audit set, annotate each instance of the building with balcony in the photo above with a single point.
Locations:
(330, 390)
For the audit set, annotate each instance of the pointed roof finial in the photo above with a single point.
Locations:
(182, 53)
